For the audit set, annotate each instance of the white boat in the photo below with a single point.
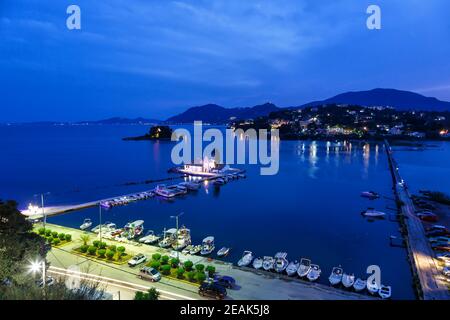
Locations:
(304, 268)
(223, 251)
(281, 262)
(183, 239)
(385, 292)
(106, 227)
(257, 263)
(219, 182)
(161, 190)
(241, 175)
(348, 280)
(247, 258)
(372, 287)
(314, 273)
(187, 250)
(268, 263)
(133, 229)
(87, 223)
(373, 213)
(370, 194)
(359, 285)
(292, 268)
(195, 249)
(149, 237)
(207, 246)
(168, 238)
(336, 276)
(190, 185)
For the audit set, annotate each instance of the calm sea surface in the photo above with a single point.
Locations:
(311, 208)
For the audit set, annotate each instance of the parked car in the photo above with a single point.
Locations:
(225, 281)
(49, 281)
(213, 290)
(137, 259)
(148, 273)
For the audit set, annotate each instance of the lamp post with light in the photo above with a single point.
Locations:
(177, 218)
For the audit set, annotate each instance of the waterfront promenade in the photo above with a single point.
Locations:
(251, 284)
(432, 284)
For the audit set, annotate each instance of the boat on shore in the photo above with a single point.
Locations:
(292, 268)
(207, 246)
(372, 213)
(385, 292)
(314, 273)
(223, 251)
(348, 280)
(359, 285)
(281, 262)
(247, 258)
(268, 263)
(168, 238)
(372, 195)
(87, 223)
(304, 268)
(257, 263)
(336, 276)
(149, 238)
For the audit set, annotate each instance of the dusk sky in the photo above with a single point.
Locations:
(157, 58)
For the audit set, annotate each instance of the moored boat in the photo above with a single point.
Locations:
(168, 238)
(304, 268)
(359, 285)
(183, 239)
(149, 237)
(187, 250)
(87, 223)
(314, 273)
(219, 182)
(373, 213)
(370, 194)
(257, 263)
(195, 249)
(336, 276)
(385, 292)
(348, 280)
(161, 190)
(223, 251)
(247, 258)
(133, 229)
(372, 287)
(268, 263)
(281, 262)
(292, 268)
(207, 246)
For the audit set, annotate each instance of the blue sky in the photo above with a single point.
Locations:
(157, 58)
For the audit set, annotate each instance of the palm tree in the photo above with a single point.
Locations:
(85, 238)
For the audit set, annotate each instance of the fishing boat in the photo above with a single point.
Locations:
(292, 268)
(385, 292)
(336, 276)
(314, 273)
(247, 258)
(281, 262)
(196, 249)
(223, 251)
(133, 229)
(207, 246)
(168, 238)
(359, 285)
(219, 182)
(187, 250)
(370, 195)
(348, 280)
(268, 263)
(257, 263)
(149, 237)
(87, 223)
(373, 213)
(161, 190)
(304, 268)
(372, 287)
(183, 239)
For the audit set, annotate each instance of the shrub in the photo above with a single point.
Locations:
(199, 267)
(155, 264)
(156, 256)
(165, 259)
(165, 269)
(41, 231)
(85, 238)
(92, 250)
(121, 249)
(201, 277)
(188, 265)
(102, 245)
(84, 248)
(55, 234)
(174, 262)
(96, 243)
(49, 239)
(48, 232)
(101, 253)
(211, 270)
(180, 273)
(68, 237)
(61, 236)
(190, 275)
(112, 248)
(109, 254)
(56, 241)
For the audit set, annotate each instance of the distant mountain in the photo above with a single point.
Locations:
(118, 120)
(213, 113)
(400, 100)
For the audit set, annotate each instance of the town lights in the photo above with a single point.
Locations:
(35, 266)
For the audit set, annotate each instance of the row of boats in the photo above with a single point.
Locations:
(228, 177)
(305, 269)
(371, 212)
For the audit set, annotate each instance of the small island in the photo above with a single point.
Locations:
(155, 133)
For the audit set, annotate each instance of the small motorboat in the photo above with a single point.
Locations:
(87, 223)
(241, 175)
(162, 191)
(168, 238)
(372, 213)
(192, 186)
(336, 276)
(373, 287)
(268, 263)
(134, 229)
(314, 273)
(304, 268)
(187, 250)
(385, 292)
(292, 268)
(219, 182)
(196, 249)
(359, 285)
(281, 262)
(258, 263)
(207, 246)
(348, 280)
(149, 237)
(223, 251)
(370, 195)
(247, 258)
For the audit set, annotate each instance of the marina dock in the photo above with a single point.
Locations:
(421, 255)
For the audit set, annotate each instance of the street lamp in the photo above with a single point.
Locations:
(44, 214)
(37, 266)
(176, 218)
(100, 219)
